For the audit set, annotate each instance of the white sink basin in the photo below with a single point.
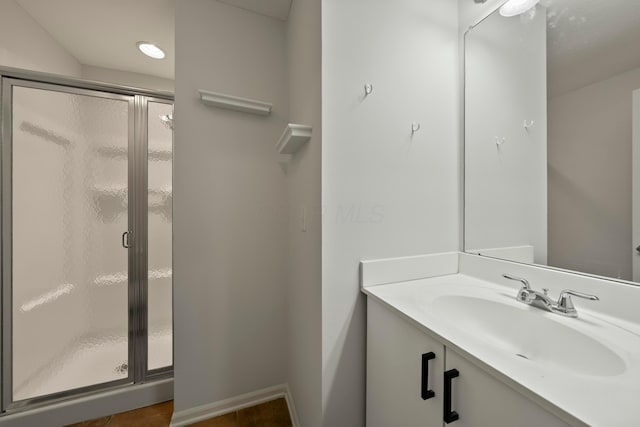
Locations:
(587, 367)
(530, 333)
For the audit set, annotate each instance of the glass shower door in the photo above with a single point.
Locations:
(159, 230)
(66, 198)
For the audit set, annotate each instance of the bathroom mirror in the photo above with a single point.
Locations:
(552, 137)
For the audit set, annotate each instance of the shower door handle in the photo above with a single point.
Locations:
(125, 240)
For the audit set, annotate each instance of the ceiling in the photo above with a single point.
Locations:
(278, 9)
(104, 33)
(590, 40)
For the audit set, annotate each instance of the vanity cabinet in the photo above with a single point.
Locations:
(395, 383)
(395, 386)
(482, 400)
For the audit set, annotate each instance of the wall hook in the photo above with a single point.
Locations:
(368, 89)
(528, 125)
(499, 142)
(415, 127)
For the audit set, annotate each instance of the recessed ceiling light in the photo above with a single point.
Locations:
(516, 7)
(151, 50)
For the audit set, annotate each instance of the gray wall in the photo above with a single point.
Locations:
(127, 78)
(230, 217)
(25, 44)
(304, 193)
(384, 193)
(590, 221)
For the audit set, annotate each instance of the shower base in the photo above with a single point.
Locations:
(87, 365)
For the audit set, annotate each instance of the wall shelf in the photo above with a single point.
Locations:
(293, 137)
(235, 103)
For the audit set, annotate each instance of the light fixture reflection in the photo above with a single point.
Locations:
(516, 7)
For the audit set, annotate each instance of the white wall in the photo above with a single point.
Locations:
(25, 44)
(505, 84)
(384, 192)
(230, 206)
(304, 196)
(590, 215)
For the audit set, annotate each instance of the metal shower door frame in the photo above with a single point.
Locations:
(137, 227)
(141, 241)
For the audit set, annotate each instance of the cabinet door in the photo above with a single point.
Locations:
(395, 351)
(481, 400)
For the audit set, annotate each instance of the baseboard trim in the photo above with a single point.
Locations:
(295, 421)
(215, 409)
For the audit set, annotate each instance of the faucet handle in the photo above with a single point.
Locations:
(564, 300)
(525, 282)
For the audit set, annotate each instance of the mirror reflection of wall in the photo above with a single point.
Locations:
(594, 67)
(505, 171)
(592, 71)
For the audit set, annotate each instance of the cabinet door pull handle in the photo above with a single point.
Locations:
(449, 415)
(425, 393)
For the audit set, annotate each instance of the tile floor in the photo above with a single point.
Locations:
(270, 414)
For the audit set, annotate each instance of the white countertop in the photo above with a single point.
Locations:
(608, 396)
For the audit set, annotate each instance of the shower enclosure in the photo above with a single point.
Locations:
(86, 174)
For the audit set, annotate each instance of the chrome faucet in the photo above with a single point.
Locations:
(564, 306)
